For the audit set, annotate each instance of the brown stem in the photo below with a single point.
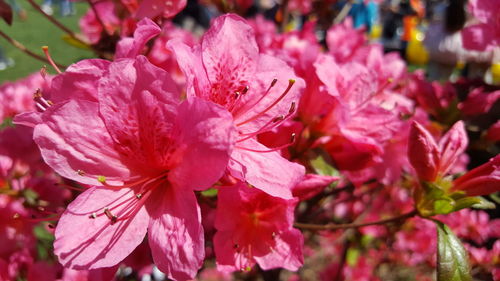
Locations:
(56, 22)
(353, 225)
(25, 50)
(97, 16)
(285, 14)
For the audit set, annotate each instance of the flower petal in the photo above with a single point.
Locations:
(423, 152)
(131, 47)
(138, 105)
(207, 131)
(175, 232)
(286, 252)
(451, 146)
(268, 171)
(86, 238)
(76, 144)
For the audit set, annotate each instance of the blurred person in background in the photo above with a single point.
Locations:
(18, 9)
(5, 61)
(444, 43)
(401, 17)
(66, 7)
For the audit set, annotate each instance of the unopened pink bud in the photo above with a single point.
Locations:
(482, 180)
(451, 146)
(423, 152)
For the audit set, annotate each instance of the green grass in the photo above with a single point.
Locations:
(36, 32)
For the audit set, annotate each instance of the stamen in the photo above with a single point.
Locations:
(43, 71)
(46, 52)
(291, 82)
(93, 216)
(292, 140)
(245, 90)
(138, 195)
(101, 179)
(141, 180)
(69, 187)
(40, 106)
(248, 107)
(80, 172)
(110, 216)
(292, 108)
(237, 98)
(40, 101)
(275, 122)
(34, 219)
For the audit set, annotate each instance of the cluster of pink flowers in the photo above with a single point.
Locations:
(227, 153)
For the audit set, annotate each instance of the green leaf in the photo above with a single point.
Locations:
(42, 234)
(452, 259)
(495, 197)
(443, 206)
(322, 167)
(212, 192)
(477, 202)
(75, 43)
(352, 256)
(7, 122)
(30, 196)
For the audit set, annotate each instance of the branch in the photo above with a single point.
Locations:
(56, 22)
(97, 16)
(25, 50)
(330, 226)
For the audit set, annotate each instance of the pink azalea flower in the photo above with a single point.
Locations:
(163, 57)
(79, 81)
(253, 227)
(226, 68)
(140, 150)
(432, 97)
(154, 8)
(311, 185)
(301, 6)
(17, 97)
(482, 180)
(357, 102)
(478, 102)
(485, 34)
(431, 160)
(92, 27)
(493, 133)
(343, 40)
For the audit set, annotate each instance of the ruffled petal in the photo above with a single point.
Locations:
(175, 232)
(206, 131)
(267, 171)
(86, 238)
(75, 143)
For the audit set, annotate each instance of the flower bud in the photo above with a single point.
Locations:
(482, 180)
(423, 153)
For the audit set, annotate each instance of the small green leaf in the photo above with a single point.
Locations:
(352, 256)
(452, 259)
(30, 196)
(321, 167)
(7, 122)
(475, 202)
(495, 197)
(75, 43)
(212, 192)
(443, 206)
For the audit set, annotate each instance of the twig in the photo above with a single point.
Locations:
(25, 50)
(330, 226)
(285, 14)
(97, 16)
(56, 22)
